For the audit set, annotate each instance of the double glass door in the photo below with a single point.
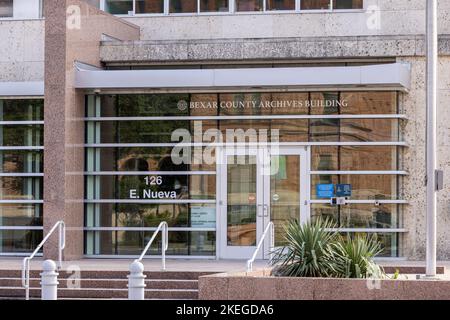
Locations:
(258, 186)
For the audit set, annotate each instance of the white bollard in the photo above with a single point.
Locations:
(136, 281)
(49, 281)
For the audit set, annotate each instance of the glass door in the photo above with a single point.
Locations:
(258, 186)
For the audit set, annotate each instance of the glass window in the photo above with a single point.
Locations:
(347, 4)
(364, 216)
(19, 241)
(21, 110)
(6, 8)
(21, 135)
(315, 4)
(364, 187)
(119, 6)
(249, 5)
(353, 158)
(142, 159)
(214, 6)
(13, 215)
(19, 188)
(149, 6)
(21, 161)
(164, 188)
(280, 5)
(183, 6)
(179, 215)
(181, 243)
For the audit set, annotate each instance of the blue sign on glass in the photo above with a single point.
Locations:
(343, 190)
(325, 191)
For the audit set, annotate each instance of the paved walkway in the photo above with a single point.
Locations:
(180, 264)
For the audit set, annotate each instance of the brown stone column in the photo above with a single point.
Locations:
(73, 31)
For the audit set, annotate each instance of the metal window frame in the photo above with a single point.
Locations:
(368, 201)
(22, 175)
(21, 123)
(149, 173)
(281, 144)
(360, 172)
(249, 117)
(37, 228)
(156, 201)
(21, 202)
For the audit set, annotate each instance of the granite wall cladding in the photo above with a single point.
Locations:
(73, 32)
(413, 104)
(405, 17)
(22, 50)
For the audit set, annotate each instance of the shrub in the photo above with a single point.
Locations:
(313, 250)
(307, 251)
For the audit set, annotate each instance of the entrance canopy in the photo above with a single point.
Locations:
(392, 76)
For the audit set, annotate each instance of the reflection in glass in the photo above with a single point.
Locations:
(172, 187)
(183, 6)
(280, 5)
(347, 4)
(284, 193)
(143, 159)
(315, 4)
(364, 187)
(151, 215)
(14, 215)
(19, 241)
(18, 161)
(6, 8)
(19, 188)
(181, 243)
(214, 6)
(149, 6)
(22, 135)
(365, 216)
(118, 6)
(354, 158)
(21, 110)
(249, 5)
(241, 201)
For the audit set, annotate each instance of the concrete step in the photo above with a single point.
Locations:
(107, 283)
(102, 293)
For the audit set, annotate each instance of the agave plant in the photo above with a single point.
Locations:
(308, 250)
(353, 257)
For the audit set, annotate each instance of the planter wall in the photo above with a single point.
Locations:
(261, 286)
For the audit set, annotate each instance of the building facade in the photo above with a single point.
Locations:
(217, 117)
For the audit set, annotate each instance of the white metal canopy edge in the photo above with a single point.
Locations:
(22, 89)
(395, 76)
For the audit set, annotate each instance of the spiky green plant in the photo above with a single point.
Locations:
(307, 251)
(353, 257)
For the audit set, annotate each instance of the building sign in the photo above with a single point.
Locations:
(149, 193)
(325, 191)
(203, 217)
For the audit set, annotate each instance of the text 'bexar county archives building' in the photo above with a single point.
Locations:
(116, 115)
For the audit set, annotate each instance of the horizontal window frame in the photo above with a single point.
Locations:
(21, 202)
(21, 123)
(244, 144)
(22, 228)
(22, 175)
(368, 230)
(149, 229)
(21, 148)
(250, 117)
(361, 172)
(368, 201)
(150, 173)
(127, 256)
(156, 201)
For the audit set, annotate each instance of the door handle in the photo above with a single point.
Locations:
(266, 210)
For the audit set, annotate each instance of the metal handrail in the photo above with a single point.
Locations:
(164, 228)
(61, 226)
(270, 228)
